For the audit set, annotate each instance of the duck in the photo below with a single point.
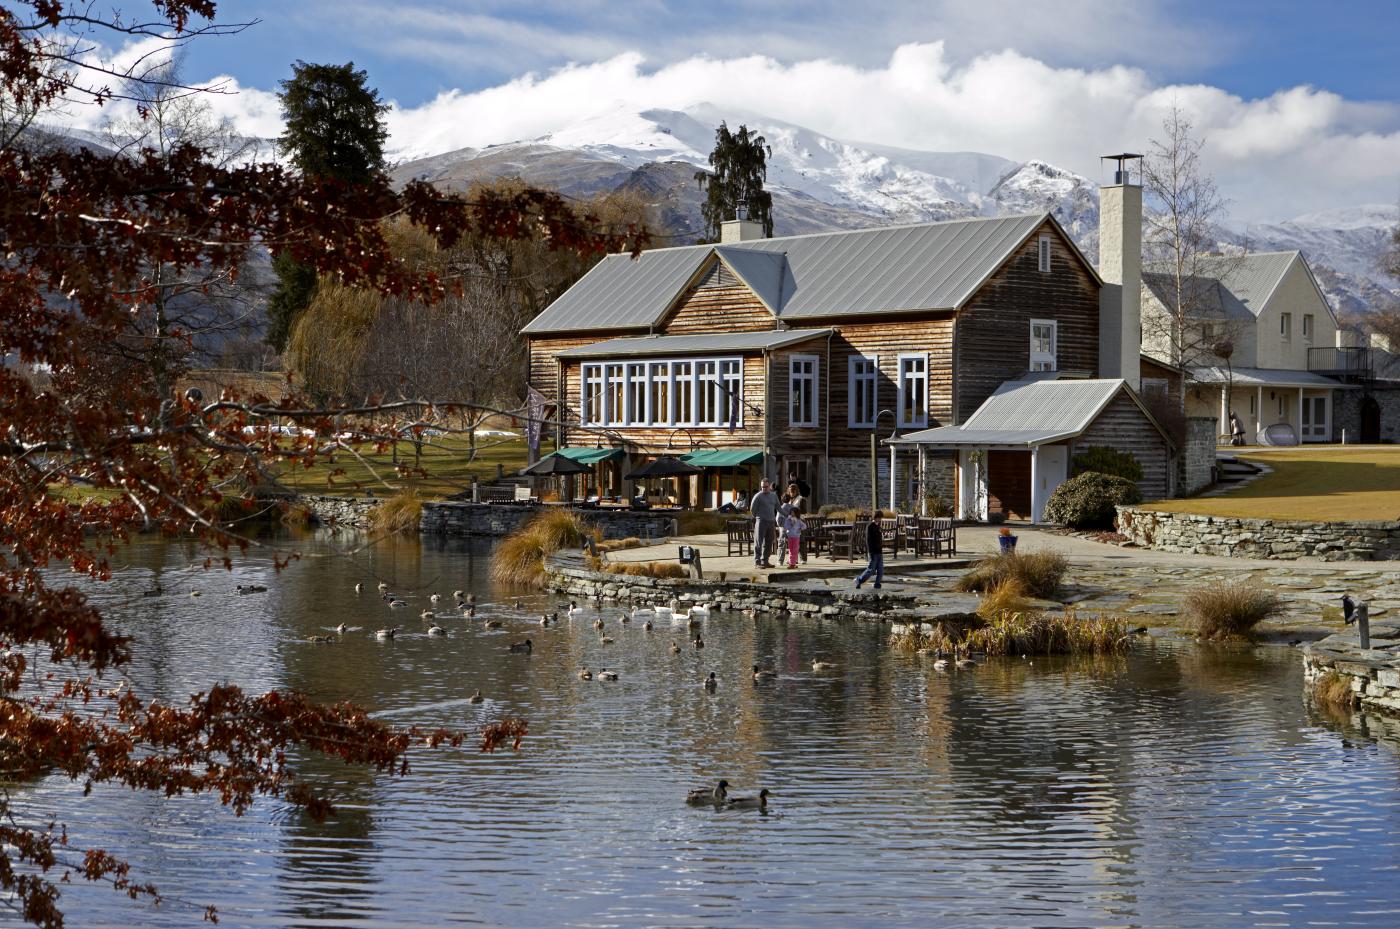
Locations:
(458, 594)
(426, 614)
(194, 592)
(469, 612)
(963, 663)
(435, 598)
(476, 697)
(598, 623)
(823, 666)
(605, 675)
(493, 624)
(708, 796)
(762, 674)
(751, 613)
(359, 588)
(320, 639)
(383, 587)
(435, 629)
(699, 642)
(675, 649)
(544, 619)
(584, 674)
(397, 604)
(574, 609)
(940, 664)
(625, 617)
(342, 628)
(692, 623)
(386, 633)
(710, 683)
(522, 648)
(245, 589)
(647, 626)
(519, 606)
(749, 803)
(606, 640)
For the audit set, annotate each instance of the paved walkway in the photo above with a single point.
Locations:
(1103, 577)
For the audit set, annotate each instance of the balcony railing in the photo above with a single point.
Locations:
(1340, 362)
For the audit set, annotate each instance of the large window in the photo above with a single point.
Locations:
(913, 391)
(863, 397)
(1044, 335)
(802, 390)
(696, 392)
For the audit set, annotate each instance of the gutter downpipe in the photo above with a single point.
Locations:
(826, 453)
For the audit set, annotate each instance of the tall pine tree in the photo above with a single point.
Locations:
(740, 163)
(334, 129)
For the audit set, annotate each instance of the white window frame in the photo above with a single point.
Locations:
(856, 378)
(658, 379)
(615, 393)
(794, 377)
(635, 380)
(1043, 252)
(1050, 358)
(905, 377)
(1308, 327)
(682, 383)
(731, 376)
(1285, 327)
(590, 395)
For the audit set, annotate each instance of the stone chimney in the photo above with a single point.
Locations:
(1120, 266)
(740, 228)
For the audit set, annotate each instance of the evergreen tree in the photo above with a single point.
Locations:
(334, 130)
(740, 162)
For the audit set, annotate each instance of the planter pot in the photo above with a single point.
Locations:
(1008, 543)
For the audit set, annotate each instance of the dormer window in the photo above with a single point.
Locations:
(1044, 253)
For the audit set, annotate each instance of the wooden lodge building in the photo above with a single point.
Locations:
(782, 357)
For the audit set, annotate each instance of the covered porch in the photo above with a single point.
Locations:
(1275, 406)
(1000, 474)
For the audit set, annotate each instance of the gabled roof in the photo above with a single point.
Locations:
(1261, 377)
(1024, 414)
(688, 344)
(928, 266)
(1245, 282)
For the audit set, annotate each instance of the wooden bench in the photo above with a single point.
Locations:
(738, 534)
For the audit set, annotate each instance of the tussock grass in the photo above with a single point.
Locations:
(1038, 573)
(618, 545)
(519, 558)
(1335, 689)
(1016, 633)
(1005, 596)
(400, 513)
(1230, 611)
(646, 569)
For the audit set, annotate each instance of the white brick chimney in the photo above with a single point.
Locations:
(1120, 265)
(740, 228)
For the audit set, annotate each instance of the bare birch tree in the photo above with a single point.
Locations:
(1186, 315)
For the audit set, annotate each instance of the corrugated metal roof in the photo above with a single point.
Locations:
(1261, 377)
(890, 269)
(691, 344)
(1208, 297)
(1249, 279)
(1027, 413)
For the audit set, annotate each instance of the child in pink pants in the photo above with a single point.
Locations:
(792, 528)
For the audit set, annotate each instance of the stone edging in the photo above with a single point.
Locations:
(566, 573)
(1260, 538)
(340, 511)
(1374, 673)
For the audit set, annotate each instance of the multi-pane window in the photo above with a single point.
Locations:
(1043, 338)
(802, 390)
(1044, 253)
(1307, 327)
(862, 392)
(1285, 326)
(698, 392)
(913, 390)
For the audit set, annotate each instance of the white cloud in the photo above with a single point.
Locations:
(1266, 153)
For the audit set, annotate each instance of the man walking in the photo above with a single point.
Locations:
(764, 509)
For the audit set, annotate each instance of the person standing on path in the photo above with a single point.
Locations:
(793, 524)
(798, 500)
(764, 509)
(1236, 429)
(873, 542)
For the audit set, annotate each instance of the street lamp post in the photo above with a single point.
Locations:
(874, 461)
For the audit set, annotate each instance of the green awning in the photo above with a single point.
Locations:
(591, 456)
(724, 457)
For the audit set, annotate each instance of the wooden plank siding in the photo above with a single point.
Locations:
(886, 339)
(1123, 426)
(992, 338)
(731, 308)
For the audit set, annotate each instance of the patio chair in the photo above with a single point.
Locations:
(841, 542)
(945, 537)
(738, 534)
(890, 536)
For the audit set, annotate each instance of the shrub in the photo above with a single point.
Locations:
(1087, 501)
(1037, 574)
(519, 558)
(939, 507)
(1101, 459)
(646, 569)
(400, 513)
(1016, 633)
(1230, 611)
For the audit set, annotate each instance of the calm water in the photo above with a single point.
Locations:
(1177, 787)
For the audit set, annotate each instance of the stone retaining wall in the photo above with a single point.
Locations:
(1260, 538)
(1196, 462)
(1373, 673)
(568, 574)
(341, 511)
(489, 519)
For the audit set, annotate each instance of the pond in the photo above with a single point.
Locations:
(1178, 786)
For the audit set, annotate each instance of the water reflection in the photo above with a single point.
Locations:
(1174, 787)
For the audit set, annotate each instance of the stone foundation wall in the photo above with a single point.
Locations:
(341, 511)
(1196, 462)
(1260, 538)
(1373, 674)
(848, 479)
(487, 519)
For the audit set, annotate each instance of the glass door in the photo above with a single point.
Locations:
(1315, 419)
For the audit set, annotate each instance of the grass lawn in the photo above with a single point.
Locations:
(1319, 484)
(445, 459)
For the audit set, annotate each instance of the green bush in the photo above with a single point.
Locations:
(1086, 501)
(1104, 460)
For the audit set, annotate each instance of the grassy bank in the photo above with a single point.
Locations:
(1331, 484)
(446, 463)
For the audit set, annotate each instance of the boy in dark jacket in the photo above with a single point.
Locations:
(873, 542)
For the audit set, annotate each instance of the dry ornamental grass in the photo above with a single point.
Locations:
(1230, 611)
(1038, 573)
